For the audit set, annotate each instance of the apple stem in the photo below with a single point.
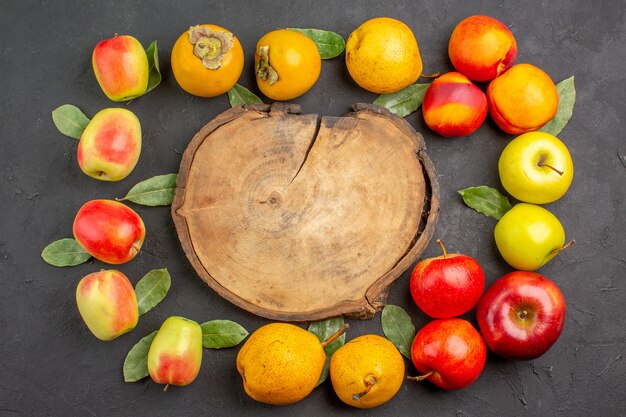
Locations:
(336, 335)
(543, 164)
(443, 248)
(435, 75)
(420, 377)
(564, 247)
(370, 381)
(166, 387)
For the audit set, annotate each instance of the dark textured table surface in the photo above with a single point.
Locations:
(51, 365)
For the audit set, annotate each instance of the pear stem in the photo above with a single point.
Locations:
(335, 335)
(370, 381)
(420, 377)
(564, 247)
(543, 164)
(443, 248)
(434, 75)
(166, 387)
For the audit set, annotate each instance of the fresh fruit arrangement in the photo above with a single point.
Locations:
(520, 315)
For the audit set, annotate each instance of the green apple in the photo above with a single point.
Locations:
(528, 236)
(175, 354)
(536, 167)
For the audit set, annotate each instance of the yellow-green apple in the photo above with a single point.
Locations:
(528, 236)
(110, 145)
(536, 167)
(482, 48)
(109, 231)
(448, 285)
(175, 354)
(521, 315)
(107, 303)
(450, 353)
(453, 106)
(121, 67)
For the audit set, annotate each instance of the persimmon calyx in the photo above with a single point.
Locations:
(210, 46)
(263, 69)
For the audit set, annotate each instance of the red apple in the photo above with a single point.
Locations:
(450, 353)
(109, 231)
(448, 285)
(121, 67)
(521, 315)
(107, 303)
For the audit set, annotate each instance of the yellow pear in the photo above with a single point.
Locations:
(367, 371)
(281, 363)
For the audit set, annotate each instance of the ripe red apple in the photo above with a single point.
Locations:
(109, 231)
(107, 303)
(521, 315)
(450, 353)
(121, 67)
(448, 285)
(110, 145)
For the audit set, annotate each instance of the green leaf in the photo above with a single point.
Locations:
(65, 252)
(155, 191)
(70, 120)
(405, 101)
(136, 362)
(323, 330)
(567, 97)
(486, 200)
(154, 71)
(152, 289)
(218, 334)
(329, 44)
(398, 328)
(239, 95)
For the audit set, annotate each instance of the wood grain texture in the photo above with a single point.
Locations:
(298, 218)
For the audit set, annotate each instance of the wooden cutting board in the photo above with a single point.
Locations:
(298, 218)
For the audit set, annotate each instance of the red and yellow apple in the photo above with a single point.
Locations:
(448, 285)
(121, 67)
(107, 303)
(109, 231)
(110, 145)
(175, 354)
(521, 315)
(482, 48)
(453, 106)
(536, 167)
(450, 353)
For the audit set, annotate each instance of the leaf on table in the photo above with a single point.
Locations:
(486, 200)
(405, 101)
(323, 330)
(218, 334)
(155, 191)
(65, 252)
(154, 70)
(152, 289)
(70, 120)
(567, 98)
(136, 362)
(398, 328)
(240, 95)
(329, 44)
